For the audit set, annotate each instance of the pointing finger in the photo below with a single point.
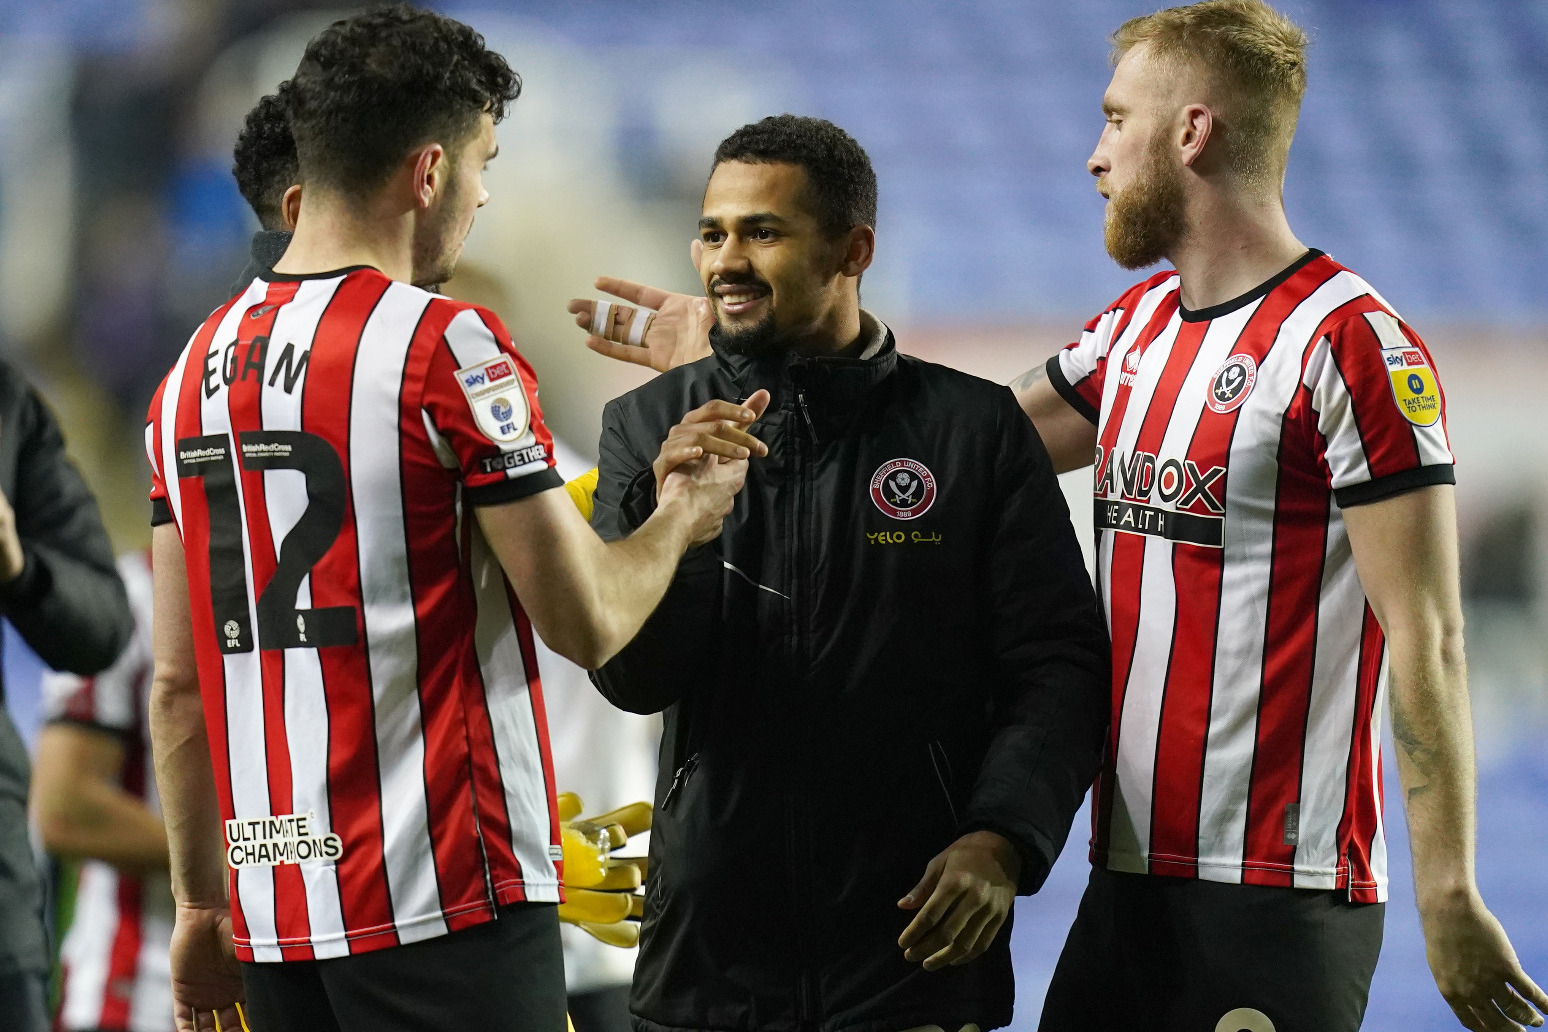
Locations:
(635, 293)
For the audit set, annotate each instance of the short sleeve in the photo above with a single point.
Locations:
(1076, 371)
(480, 398)
(161, 510)
(1379, 408)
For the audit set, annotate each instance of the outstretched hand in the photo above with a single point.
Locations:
(717, 428)
(657, 328)
(705, 458)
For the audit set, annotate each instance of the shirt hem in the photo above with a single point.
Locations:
(1190, 867)
(367, 940)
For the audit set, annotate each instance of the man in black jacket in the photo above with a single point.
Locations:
(907, 693)
(60, 590)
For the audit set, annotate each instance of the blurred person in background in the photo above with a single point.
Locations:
(94, 801)
(94, 793)
(391, 842)
(1277, 550)
(903, 689)
(59, 589)
(264, 164)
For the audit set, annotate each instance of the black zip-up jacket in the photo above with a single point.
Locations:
(873, 659)
(69, 606)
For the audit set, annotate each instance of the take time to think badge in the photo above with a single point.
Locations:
(1413, 384)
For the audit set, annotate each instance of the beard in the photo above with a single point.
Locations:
(756, 341)
(438, 245)
(1147, 218)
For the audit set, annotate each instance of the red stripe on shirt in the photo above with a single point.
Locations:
(1127, 562)
(354, 802)
(124, 960)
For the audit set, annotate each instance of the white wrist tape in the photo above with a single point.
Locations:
(642, 317)
(601, 316)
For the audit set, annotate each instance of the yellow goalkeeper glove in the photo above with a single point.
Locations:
(601, 891)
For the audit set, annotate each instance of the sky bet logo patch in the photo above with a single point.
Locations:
(498, 399)
(1413, 385)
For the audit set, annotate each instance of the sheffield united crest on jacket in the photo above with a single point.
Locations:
(903, 489)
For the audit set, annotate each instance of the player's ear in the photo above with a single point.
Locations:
(430, 169)
(859, 250)
(290, 207)
(1198, 122)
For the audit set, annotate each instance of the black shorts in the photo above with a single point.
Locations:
(505, 975)
(1182, 955)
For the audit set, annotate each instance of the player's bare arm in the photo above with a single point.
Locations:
(1069, 436)
(1405, 549)
(588, 598)
(206, 981)
(963, 899)
(81, 808)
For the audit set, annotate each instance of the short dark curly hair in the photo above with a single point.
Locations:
(843, 184)
(373, 87)
(264, 163)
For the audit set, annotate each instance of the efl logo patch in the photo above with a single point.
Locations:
(1413, 385)
(497, 398)
(903, 489)
(1232, 383)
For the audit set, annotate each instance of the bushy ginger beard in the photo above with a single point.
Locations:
(1146, 218)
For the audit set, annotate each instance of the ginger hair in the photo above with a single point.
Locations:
(1254, 59)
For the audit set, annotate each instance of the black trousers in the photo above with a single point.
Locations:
(23, 1001)
(1182, 955)
(505, 975)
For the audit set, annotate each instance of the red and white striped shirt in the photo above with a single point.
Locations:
(117, 975)
(369, 683)
(1248, 670)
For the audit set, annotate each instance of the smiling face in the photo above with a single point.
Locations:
(775, 279)
(1136, 163)
(443, 228)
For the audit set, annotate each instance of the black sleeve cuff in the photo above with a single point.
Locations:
(1034, 867)
(161, 512)
(1395, 484)
(639, 499)
(27, 587)
(1067, 390)
(504, 491)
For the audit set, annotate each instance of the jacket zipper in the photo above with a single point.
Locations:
(806, 416)
(680, 780)
(942, 764)
(806, 1017)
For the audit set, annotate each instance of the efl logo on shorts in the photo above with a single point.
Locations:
(497, 398)
(1232, 383)
(903, 489)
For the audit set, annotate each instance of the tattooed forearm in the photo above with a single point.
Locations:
(1024, 382)
(1417, 749)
